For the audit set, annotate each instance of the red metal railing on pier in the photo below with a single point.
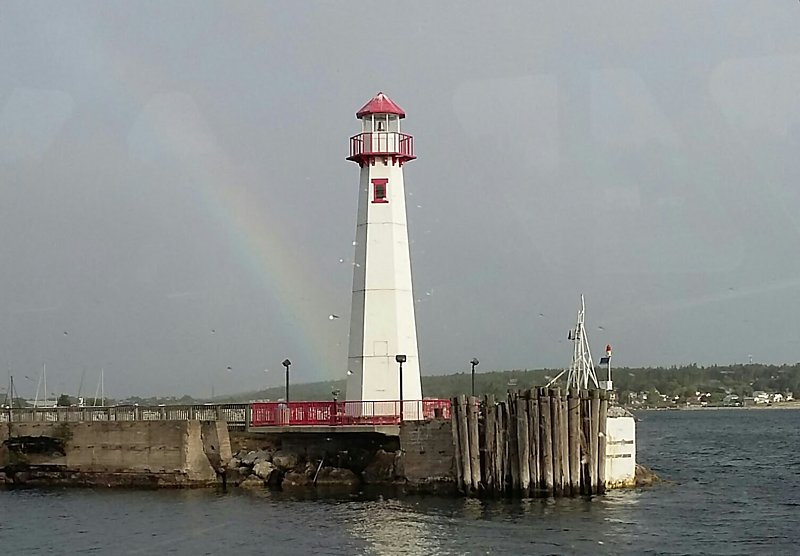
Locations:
(348, 413)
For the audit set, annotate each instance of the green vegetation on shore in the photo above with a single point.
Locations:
(683, 382)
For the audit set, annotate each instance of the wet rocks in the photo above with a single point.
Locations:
(645, 477)
(251, 458)
(302, 476)
(232, 476)
(381, 470)
(252, 482)
(286, 469)
(336, 476)
(284, 461)
(264, 470)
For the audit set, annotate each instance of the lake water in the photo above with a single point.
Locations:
(735, 490)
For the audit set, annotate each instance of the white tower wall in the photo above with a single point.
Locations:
(382, 322)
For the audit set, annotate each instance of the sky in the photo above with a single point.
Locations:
(176, 208)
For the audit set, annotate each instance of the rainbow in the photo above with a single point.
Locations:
(171, 126)
(255, 234)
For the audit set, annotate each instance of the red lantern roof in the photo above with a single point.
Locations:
(380, 104)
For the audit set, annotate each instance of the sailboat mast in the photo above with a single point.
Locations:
(8, 392)
(80, 386)
(36, 398)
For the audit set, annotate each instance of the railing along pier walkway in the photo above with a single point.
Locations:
(264, 416)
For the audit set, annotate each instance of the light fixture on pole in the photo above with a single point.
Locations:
(401, 359)
(286, 363)
(474, 364)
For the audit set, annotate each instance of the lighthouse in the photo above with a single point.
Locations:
(382, 321)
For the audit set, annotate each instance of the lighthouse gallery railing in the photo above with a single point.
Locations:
(389, 143)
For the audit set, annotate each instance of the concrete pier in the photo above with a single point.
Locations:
(132, 453)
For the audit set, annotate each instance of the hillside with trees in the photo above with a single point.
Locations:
(679, 383)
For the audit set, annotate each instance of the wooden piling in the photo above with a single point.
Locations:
(601, 443)
(523, 446)
(454, 424)
(546, 442)
(506, 446)
(565, 444)
(533, 432)
(473, 409)
(574, 427)
(555, 419)
(595, 434)
(489, 415)
(499, 441)
(513, 437)
(586, 433)
(463, 442)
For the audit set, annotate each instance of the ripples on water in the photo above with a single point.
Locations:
(736, 491)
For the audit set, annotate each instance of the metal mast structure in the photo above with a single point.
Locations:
(581, 370)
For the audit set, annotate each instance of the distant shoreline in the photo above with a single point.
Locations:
(781, 405)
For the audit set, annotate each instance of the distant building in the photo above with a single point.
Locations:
(759, 397)
(732, 400)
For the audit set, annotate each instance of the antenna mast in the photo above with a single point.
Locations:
(581, 370)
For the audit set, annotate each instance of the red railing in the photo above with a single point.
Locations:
(339, 414)
(382, 143)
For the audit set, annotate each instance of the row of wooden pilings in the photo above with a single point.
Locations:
(540, 442)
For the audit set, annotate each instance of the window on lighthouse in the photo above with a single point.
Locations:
(379, 190)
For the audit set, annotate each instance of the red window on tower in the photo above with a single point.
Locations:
(379, 190)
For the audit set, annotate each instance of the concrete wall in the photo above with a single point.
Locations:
(621, 452)
(428, 451)
(173, 448)
(216, 443)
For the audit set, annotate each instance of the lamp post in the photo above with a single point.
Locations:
(474, 364)
(401, 359)
(287, 363)
(335, 394)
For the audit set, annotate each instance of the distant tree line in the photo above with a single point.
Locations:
(683, 382)
(674, 382)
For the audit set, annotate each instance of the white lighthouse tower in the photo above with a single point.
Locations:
(382, 322)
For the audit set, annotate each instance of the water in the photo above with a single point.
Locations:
(736, 490)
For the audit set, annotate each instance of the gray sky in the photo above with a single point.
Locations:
(174, 193)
